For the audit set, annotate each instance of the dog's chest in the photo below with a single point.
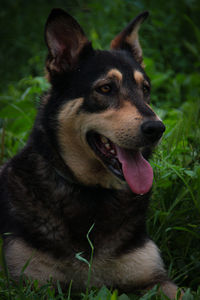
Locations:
(115, 221)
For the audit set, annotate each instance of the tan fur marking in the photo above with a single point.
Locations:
(140, 266)
(133, 37)
(112, 74)
(114, 124)
(121, 126)
(75, 149)
(139, 78)
(133, 40)
(115, 73)
(18, 254)
(137, 268)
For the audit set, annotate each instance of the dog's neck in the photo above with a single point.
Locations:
(40, 141)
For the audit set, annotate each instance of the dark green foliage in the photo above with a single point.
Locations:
(171, 46)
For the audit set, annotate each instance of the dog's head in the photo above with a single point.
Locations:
(98, 110)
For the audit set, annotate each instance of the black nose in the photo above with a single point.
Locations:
(153, 130)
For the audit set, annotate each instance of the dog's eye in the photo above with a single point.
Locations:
(146, 88)
(105, 89)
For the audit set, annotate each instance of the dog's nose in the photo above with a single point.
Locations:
(153, 130)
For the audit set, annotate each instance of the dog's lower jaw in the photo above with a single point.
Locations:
(116, 184)
(92, 172)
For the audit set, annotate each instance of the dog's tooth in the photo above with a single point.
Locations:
(112, 151)
(107, 145)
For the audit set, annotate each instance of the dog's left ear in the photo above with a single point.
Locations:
(65, 40)
(128, 39)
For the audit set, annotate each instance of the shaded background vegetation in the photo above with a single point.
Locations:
(171, 46)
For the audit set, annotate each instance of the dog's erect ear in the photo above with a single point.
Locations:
(128, 39)
(65, 40)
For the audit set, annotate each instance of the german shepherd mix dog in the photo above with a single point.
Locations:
(86, 163)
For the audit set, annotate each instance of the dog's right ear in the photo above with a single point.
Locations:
(65, 40)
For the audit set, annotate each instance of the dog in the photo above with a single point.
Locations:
(86, 165)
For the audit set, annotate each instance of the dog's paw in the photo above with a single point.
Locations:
(171, 290)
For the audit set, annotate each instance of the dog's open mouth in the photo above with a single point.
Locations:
(126, 164)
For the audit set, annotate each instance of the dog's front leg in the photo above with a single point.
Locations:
(141, 268)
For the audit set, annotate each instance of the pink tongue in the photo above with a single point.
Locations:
(137, 171)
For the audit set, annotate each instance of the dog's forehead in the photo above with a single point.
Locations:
(117, 64)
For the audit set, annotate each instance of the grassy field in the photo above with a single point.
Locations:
(171, 46)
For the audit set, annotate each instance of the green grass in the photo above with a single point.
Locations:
(171, 44)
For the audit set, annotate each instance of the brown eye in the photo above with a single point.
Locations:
(146, 88)
(105, 89)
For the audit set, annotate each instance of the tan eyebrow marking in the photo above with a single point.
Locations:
(139, 78)
(112, 74)
(115, 73)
